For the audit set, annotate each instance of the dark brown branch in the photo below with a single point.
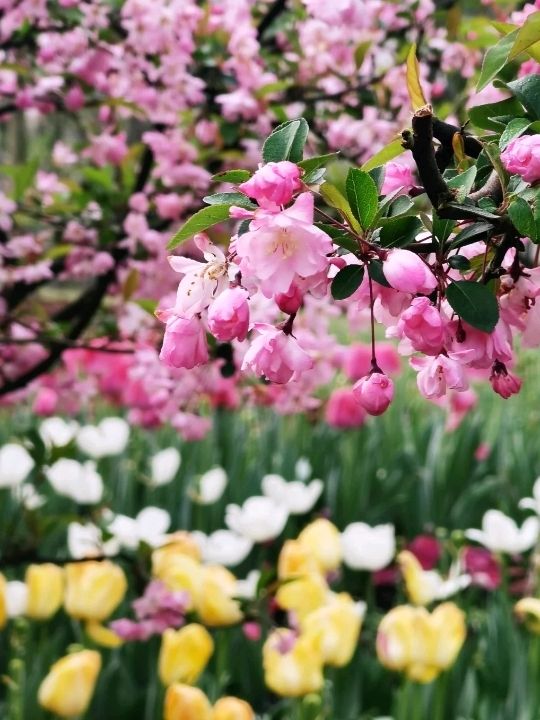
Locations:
(274, 11)
(492, 189)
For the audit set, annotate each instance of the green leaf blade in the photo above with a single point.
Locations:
(202, 220)
(474, 303)
(347, 281)
(363, 196)
(286, 142)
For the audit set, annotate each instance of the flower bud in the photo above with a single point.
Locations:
(273, 184)
(374, 393)
(228, 315)
(407, 272)
(522, 157)
(68, 688)
(45, 585)
(183, 702)
(94, 589)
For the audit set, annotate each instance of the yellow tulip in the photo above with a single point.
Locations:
(45, 585)
(339, 623)
(179, 572)
(94, 589)
(102, 635)
(184, 654)
(183, 702)
(322, 539)
(231, 708)
(216, 606)
(422, 645)
(3, 608)
(303, 595)
(68, 688)
(179, 543)
(420, 589)
(295, 559)
(528, 609)
(293, 665)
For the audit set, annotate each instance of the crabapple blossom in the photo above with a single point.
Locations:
(273, 184)
(438, 374)
(423, 325)
(408, 273)
(343, 409)
(374, 392)
(228, 315)
(522, 157)
(184, 343)
(276, 355)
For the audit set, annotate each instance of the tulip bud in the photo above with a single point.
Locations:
(68, 688)
(45, 585)
(216, 605)
(184, 654)
(183, 702)
(374, 393)
(231, 708)
(322, 539)
(94, 589)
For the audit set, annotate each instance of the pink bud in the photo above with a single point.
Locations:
(374, 392)
(184, 343)
(427, 550)
(228, 316)
(343, 410)
(273, 184)
(407, 272)
(289, 302)
(504, 383)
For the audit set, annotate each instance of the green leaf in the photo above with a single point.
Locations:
(459, 262)
(375, 271)
(286, 142)
(399, 231)
(335, 199)
(340, 237)
(316, 162)
(388, 152)
(514, 129)
(463, 183)
(528, 35)
(230, 198)
(347, 281)
(474, 303)
(442, 229)
(527, 91)
(362, 196)
(361, 52)
(471, 234)
(202, 220)
(315, 176)
(522, 218)
(470, 211)
(492, 115)
(495, 59)
(21, 175)
(232, 176)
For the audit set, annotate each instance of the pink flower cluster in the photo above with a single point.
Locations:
(522, 157)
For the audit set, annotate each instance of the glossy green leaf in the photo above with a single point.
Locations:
(230, 198)
(527, 91)
(521, 215)
(362, 196)
(495, 59)
(286, 142)
(340, 237)
(528, 34)
(232, 176)
(399, 231)
(202, 220)
(347, 281)
(471, 234)
(514, 129)
(314, 163)
(388, 152)
(492, 116)
(335, 199)
(475, 303)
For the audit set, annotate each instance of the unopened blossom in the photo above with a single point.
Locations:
(223, 547)
(368, 548)
(210, 486)
(184, 343)
(426, 549)
(501, 533)
(407, 272)
(438, 374)
(57, 432)
(522, 157)
(293, 665)
(276, 355)
(228, 315)
(374, 393)
(69, 685)
(280, 246)
(503, 382)
(273, 184)
(259, 518)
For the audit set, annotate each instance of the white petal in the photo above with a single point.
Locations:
(16, 598)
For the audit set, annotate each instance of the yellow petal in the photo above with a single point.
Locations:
(45, 585)
(528, 609)
(322, 540)
(293, 666)
(184, 654)
(232, 708)
(216, 605)
(339, 624)
(102, 635)
(183, 702)
(93, 589)
(68, 688)
(417, 582)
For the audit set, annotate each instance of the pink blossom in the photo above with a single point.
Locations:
(423, 325)
(228, 315)
(356, 360)
(46, 401)
(503, 382)
(252, 630)
(280, 246)
(107, 148)
(427, 550)
(438, 374)
(184, 343)
(276, 355)
(343, 410)
(483, 567)
(169, 205)
(522, 157)
(74, 98)
(397, 176)
(291, 301)
(374, 393)
(273, 184)
(407, 272)
(138, 202)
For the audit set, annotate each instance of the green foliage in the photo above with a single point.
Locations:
(347, 281)
(362, 196)
(475, 303)
(202, 220)
(286, 142)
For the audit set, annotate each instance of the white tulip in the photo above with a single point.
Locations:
(150, 527)
(57, 432)
(15, 464)
(86, 541)
(534, 502)
(247, 588)
(222, 547)
(164, 466)
(296, 496)
(16, 598)
(107, 438)
(259, 519)
(28, 496)
(368, 548)
(75, 480)
(210, 486)
(302, 469)
(501, 534)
